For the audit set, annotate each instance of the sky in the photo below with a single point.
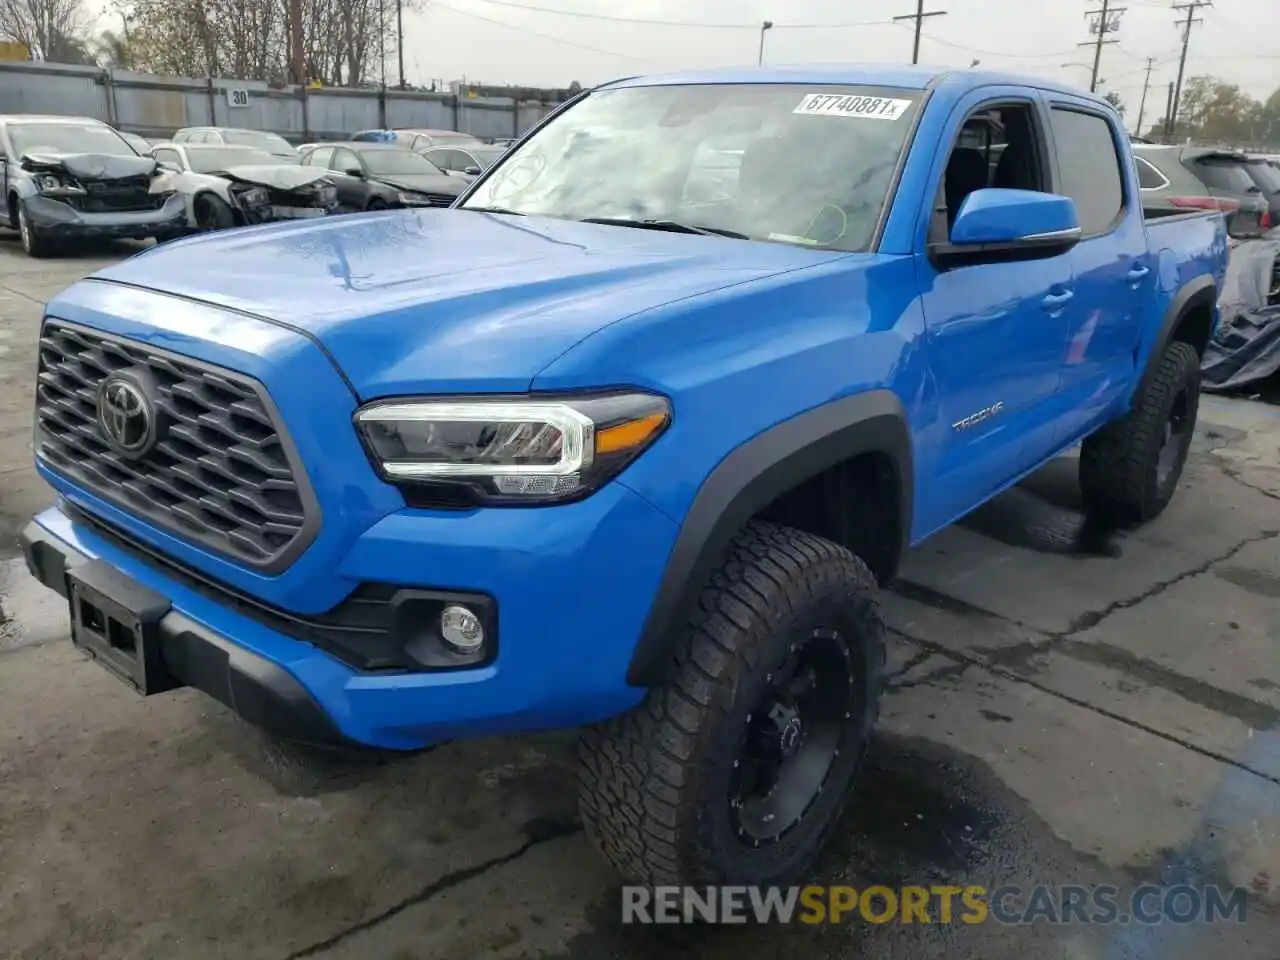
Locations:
(499, 41)
(529, 42)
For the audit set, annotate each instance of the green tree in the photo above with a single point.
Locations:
(1113, 98)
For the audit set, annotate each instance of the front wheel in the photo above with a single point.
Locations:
(35, 243)
(213, 213)
(735, 770)
(1130, 468)
(377, 203)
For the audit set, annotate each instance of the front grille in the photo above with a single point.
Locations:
(221, 473)
(441, 199)
(119, 198)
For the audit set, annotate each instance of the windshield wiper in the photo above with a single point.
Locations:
(514, 213)
(672, 226)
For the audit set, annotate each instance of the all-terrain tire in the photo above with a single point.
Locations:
(1130, 469)
(653, 783)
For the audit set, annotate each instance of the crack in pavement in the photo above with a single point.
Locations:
(1019, 653)
(1007, 674)
(1092, 618)
(539, 832)
(1233, 474)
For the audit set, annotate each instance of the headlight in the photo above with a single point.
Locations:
(255, 197)
(507, 449)
(52, 183)
(327, 195)
(411, 198)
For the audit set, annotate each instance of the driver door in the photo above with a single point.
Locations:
(996, 329)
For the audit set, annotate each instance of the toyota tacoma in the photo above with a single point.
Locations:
(628, 439)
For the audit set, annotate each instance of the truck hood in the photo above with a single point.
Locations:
(438, 300)
(89, 166)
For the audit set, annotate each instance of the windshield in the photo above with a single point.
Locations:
(1265, 176)
(67, 138)
(486, 156)
(1226, 175)
(210, 159)
(794, 164)
(270, 142)
(397, 163)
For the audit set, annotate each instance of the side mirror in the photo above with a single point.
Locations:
(353, 172)
(472, 171)
(999, 224)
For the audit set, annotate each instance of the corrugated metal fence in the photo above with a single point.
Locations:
(156, 106)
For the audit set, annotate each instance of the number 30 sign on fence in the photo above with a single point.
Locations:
(237, 97)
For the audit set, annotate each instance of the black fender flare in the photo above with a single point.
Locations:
(749, 479)
(1198, 291)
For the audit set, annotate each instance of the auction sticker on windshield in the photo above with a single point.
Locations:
(845, 105)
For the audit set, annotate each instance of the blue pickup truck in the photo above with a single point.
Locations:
(618, 443)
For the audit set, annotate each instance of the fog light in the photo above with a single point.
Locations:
(461, 629)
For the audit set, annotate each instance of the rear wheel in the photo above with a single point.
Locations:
(735, 770)
(377, 203)
(1130, 469)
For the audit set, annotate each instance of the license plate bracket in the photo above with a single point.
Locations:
(116, 621)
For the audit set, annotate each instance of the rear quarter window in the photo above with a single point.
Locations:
(1149, 178)
(1089, 168)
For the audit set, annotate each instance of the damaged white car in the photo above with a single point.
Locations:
(235, 186)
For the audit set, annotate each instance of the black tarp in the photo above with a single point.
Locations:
(1246, 349)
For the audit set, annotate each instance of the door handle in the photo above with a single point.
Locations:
(1138, 272)
(1055, 301)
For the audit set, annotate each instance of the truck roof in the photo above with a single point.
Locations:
(903, 77)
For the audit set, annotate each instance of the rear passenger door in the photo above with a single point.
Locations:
(1113, 269)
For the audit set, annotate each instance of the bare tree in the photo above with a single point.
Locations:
(50, 29)
(343, 41)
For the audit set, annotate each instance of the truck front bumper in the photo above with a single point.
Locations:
(64, 221)
(571, 586)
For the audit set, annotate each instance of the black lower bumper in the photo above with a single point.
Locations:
(192, 655)
(60, 221)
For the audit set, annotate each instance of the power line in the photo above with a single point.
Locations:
(995, 53)
(1106, 20)
(919, 17)
(535, 33)
(658, 22)
(1191, 7)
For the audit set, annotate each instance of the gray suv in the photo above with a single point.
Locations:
(1176, 179)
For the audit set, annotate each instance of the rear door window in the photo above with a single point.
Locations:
(1089, 165)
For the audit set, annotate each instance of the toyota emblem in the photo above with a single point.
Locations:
(126, 415)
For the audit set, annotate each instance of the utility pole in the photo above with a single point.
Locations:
(765, 27)
(1146, 85)
(1168, 113)
(1107, 21)
(918, 17)
(1191, 8)
(400, 38)
(299, 73)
